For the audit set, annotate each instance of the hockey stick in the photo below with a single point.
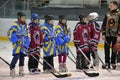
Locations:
(88, 74)
(4, 61)
(94, 74)
(72, 53)
(103, 64)
(58, 76)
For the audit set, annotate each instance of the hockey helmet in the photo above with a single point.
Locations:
(81, 16)
(20, 14)
(34, 16)
(48, 17)
(93, 15)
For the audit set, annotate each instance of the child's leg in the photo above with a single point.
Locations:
(64, 57)
(60, 62)
(84, 61)
(37, 71)
(12, 65)
(64, 62)
(21, 64)
(22, 59)
(96, 60)
(14, 61)
(51, 61)
(78, 62)
(60, 58)
(31, 63)
(36, 62)
(45, 65)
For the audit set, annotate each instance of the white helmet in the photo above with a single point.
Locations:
(93, 15)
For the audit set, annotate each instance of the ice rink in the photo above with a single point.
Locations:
(6, 51)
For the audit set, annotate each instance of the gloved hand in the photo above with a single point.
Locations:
(19, 42)
(37, 49)
(59, 41)
(66, 38)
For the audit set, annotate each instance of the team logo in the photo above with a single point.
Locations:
(36, 36)
(111, 22)
(85, 35)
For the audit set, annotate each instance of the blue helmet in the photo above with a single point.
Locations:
(34, 16)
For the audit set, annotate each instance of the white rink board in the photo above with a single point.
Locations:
(5, 24)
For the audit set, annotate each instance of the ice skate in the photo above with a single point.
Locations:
(32, 71)
(114, 66)
(60, 67)
(37, 71)
(12, 73)
(64, 69)
(21, 71)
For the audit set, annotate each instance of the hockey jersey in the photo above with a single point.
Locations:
(110, 26)
(61, 33)
(94, 34)
(36, 39)
(82, 36)
(49, 48)
(19, 32)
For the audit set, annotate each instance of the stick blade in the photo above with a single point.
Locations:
(62, 75)
(91, 74)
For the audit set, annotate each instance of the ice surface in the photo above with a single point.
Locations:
(6, 50)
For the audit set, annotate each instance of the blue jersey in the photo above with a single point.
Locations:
(63, 38)
(19, 32)
(49, 47)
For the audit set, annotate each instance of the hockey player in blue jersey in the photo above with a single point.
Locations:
(63, 35)
(18, 36)
(49, 49)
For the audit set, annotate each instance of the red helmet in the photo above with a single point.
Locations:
(117, 47)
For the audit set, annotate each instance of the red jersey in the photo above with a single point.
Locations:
(82, 35)
(36, 37)
(94, 34)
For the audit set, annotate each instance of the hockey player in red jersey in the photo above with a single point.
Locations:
(81, 38)
(94, 36)
(35, 44)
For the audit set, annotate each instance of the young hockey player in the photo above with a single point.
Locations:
(81, 38)
(94, 37)
(35, 44)
(18, 35)
(62, 39)
(49, 49)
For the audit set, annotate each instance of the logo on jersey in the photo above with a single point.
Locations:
(85, 35)
(36, 37)
(111, 22)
